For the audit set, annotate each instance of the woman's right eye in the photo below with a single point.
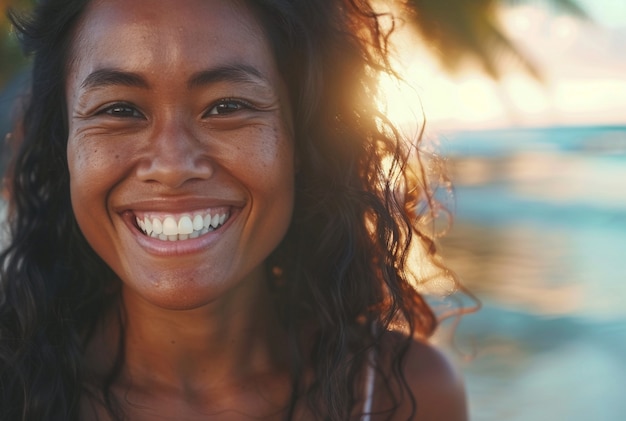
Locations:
(122, 111)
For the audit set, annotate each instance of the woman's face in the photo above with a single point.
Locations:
(180, 152)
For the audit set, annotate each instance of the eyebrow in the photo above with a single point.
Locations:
(110, 77)
(241, 73)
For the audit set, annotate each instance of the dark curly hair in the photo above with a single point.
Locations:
(361, 191)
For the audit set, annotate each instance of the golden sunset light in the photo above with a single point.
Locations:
(582, 64)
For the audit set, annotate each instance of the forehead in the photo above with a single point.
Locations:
(160, 35)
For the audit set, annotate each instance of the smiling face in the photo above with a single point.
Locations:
(180, 152)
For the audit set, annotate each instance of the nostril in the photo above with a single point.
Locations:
(174, 172)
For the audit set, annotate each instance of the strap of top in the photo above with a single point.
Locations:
(370, 378)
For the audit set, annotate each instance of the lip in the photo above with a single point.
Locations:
(177, 205)
(158, 247)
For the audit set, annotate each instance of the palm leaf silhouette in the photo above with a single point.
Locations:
(458, 31)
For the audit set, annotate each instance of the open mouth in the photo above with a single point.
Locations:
(181, 227)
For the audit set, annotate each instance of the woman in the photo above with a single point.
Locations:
(202, 224)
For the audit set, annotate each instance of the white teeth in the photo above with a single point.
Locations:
(187, 227)
(157, 226)
(170, 227)
(147, 225)
(198, 222)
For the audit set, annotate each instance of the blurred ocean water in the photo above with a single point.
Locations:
(540, 238)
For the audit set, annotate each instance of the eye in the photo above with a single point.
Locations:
(227, 106)
(122, 111)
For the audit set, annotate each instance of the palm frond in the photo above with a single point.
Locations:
(462, 31)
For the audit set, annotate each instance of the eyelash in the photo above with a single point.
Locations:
(121, 110)
(228, 105)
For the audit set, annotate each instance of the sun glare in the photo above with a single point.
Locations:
(581, 64)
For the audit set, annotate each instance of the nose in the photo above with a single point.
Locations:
(174, 157)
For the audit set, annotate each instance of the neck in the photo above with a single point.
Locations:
(228, 341)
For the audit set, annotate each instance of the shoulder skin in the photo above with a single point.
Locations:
(436, 384)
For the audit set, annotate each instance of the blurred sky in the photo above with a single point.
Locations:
(583, 64)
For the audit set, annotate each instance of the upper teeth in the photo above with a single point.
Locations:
(181, 228)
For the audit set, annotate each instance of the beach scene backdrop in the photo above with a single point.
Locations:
(539, 173)
(540, 239)
(538, 167)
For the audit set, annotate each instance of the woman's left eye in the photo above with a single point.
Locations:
(227, 106)
(122, 111)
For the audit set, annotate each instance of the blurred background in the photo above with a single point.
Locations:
(526, 101)
(530, 113)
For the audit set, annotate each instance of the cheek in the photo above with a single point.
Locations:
(91, 165)
(93, 172)
(274, 165)
(81, 168)
(90, 155)
(269, 171)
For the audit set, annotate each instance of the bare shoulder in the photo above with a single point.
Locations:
(436, 384)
